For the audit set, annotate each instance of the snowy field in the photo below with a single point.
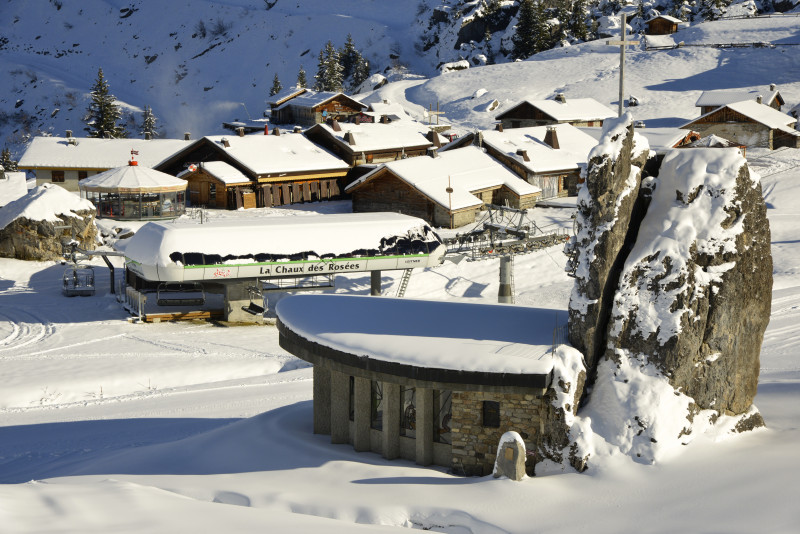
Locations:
(107, 425)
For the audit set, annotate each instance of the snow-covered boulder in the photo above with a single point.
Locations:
(28, 225)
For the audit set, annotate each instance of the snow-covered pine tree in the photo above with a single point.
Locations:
(329, 70)
(541, 29)
(6, 161)
(302, 83)
(577, 21)
(562, 15)
(361, 72)
(524, 38)
(276, 86)
(103, 113)
(349, 57)
(149, 122)
(487, 45)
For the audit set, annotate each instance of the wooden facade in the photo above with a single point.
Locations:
(556, 183)
(355, 156)
(525, 115)
(304, 111)
(661, 26)
(743, 130)
(204, 189)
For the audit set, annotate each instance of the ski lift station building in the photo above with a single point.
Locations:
(237, 258)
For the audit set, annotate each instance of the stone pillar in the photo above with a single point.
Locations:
(340, 407)
(505, 294)
(391, 420)
(237, 296)
(362, 414)
(322, 400)
(375, 283)
(424, 429)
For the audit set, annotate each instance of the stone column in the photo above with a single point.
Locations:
(340, 407)
(375, 283)
(424, 429)
(322, 400)
(362, 414)
(391, 420)
(505, 294)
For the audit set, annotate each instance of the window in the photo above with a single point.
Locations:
(352, 411)
(491, 414)
(82, 175)
(376, 405)
(408, 412)
(442, 414)
(57, 176)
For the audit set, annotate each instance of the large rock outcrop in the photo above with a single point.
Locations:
(606, 205)
(28, 225)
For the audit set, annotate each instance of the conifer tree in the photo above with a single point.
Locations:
(329, 70)
(302, 83)
(349, 57)
(103, 113)
(490, 56)
(6, 161)
(577, 22)
(149, 122)
(361, 72)
(276, 86)
(541, 31)
(524, 37)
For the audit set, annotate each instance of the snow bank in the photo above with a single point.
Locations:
(45, 203)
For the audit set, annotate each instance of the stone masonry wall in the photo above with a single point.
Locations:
(474, 445)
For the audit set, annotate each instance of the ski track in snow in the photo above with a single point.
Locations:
(22, 332)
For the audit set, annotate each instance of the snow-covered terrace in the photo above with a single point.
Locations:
(446, 342)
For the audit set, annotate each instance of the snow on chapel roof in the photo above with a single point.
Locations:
(464, 170)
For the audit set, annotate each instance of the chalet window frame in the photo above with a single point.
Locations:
(491, 414)
(57, 177)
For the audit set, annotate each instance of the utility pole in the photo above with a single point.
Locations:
(622, 44)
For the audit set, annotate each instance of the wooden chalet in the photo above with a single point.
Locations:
(66, 161)
(560, 110)
(768, 95)
(446, 189)
(359, 143)
(712, 141)
(311, 108)
(750, 124)
(662, 25)
(282, 168)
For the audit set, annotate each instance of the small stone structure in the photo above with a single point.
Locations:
(510, 457)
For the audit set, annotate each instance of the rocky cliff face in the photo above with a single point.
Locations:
(696, 291)
(605, 208)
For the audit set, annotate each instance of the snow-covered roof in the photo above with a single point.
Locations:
(712, 141)
(574, 146)
(662, 139)
(728, 96)
(132, 179)
(390, 109)
(287, 94)
(465, 170)
(323, 234)
(666, 17)
(44, 203)
(482, 338)
(13, 185)
(369, 137)
(224, 172)
(310, 99)
(572, 109)
(271, 154)
(94, 153)
(760, 113)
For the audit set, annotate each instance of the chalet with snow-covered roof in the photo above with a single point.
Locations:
(548, 157)
(446, 190)
(312, 107)
(750, 124)
(560, 110)
(68, 160)
(282, 168)
(662, 25)
(712, 141)
(284, 96)
(372, 143)
(768, 95)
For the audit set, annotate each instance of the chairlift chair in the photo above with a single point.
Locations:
(253, 308)
(78, 281)
(180, 294)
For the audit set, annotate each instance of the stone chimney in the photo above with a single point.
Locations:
(760, 99)
(434, 138)
(551, 137)
(187, 136)
(384, 119)
(225, 142)
(350, 138)
(499, 127)
(147, 136)
(240, 131)
(560, 98)
(335, 126)
(69, 134)
(433, 152)
(524, 154)
(276, 131)
(772, 86)
(298, 129)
